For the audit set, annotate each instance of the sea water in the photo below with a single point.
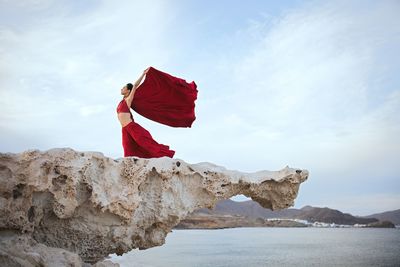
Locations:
(271, 246)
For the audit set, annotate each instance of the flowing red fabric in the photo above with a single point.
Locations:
(138, 142)
(166, 99)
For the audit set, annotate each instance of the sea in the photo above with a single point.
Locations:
(270, 246)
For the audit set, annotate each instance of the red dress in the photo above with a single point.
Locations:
(137, 141)
(162, 98)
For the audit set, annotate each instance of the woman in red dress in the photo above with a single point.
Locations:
(136, 140)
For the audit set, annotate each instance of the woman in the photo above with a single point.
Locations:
(136, 140)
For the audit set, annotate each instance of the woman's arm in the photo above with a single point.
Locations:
(137, 83)
(135, 86)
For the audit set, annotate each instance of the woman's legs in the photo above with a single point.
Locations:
(137, 141)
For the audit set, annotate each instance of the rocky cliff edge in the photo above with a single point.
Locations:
(65, 207)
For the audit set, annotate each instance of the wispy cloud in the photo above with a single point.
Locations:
(312, 82)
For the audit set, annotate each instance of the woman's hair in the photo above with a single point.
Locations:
(129, 86)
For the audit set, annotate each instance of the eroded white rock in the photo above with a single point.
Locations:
(94, 206)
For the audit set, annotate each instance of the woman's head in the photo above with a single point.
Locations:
(126, 89)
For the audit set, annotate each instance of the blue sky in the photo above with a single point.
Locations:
(309, 84)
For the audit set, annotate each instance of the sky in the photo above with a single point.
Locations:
(305, 84)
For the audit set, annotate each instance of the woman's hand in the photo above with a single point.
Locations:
(146, 70)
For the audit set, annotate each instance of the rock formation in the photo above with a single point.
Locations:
(200, 220)
(75, 208)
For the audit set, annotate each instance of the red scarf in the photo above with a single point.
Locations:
(166, 99)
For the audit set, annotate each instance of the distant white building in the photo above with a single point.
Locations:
(360, 225)
(321, 224)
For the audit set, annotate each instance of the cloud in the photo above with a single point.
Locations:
(318, 89)
(308, 85)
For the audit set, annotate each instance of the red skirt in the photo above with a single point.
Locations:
(137, 141)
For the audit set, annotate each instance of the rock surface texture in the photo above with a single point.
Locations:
(74, 208)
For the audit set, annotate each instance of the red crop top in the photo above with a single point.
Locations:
(123, 107)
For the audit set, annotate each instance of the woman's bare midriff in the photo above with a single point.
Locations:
(124, 118)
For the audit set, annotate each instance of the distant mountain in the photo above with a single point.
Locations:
(254, 210)
(393, 216)
(328, 215)
(306, 208)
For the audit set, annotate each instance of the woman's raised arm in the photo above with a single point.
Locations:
(135, 86)
(137, 83)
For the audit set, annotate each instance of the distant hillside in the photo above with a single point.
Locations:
(332, 216)
(393, 216)
(254, 210)
(201, 220)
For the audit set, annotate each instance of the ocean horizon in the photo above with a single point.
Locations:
(271, 246)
